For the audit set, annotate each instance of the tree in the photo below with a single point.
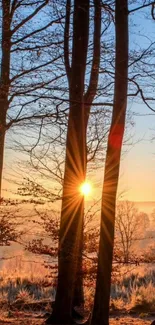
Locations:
(130, 227)
(87, 103)
(72, 213)
(153, 217)
(9, 231)
(25, 59)
(111, 175)
(71, 224)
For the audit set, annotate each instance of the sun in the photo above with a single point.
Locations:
(85, 188)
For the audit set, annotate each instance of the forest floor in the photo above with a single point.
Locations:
(125, 320)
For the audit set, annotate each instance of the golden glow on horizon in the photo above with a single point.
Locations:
(86, 188)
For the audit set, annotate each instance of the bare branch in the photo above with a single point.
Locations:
(33, 69)
(66, 40)
(24, 21)
(140, 91)
(90, 94)
(152, 11)
(141, 7)
(35, 32)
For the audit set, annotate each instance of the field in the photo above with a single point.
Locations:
(113, 321)
(26, 296)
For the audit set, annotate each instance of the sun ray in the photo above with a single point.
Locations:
(85, 188)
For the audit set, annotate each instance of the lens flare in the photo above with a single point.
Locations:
(85, 188)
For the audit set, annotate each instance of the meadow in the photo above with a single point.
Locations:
(27, 293)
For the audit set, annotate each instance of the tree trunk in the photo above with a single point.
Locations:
(112, 165)
(88, 100)
(71, 225)
(4, 77)
(78, 297)
(2, 140)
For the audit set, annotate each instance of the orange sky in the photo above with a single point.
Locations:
(137, 173)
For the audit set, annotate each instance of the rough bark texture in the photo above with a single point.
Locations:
(93, 82)
(4, 77)
(88, 100)
(70, 294)
(71, 226)
(112, 165)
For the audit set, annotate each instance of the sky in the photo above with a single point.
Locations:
(137, 173)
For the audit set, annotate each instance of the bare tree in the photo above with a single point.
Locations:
(112, 164)
(130, 227)
(27, 55)
(69, 292)
(71, 225)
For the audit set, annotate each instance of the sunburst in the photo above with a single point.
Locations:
(85, 189)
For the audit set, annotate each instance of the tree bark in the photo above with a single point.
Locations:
(112, 165)
(88, 100)
(2, 140)
(71, 225)
(4, 77)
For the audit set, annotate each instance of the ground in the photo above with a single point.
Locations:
(113, 321)
(130, 320)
